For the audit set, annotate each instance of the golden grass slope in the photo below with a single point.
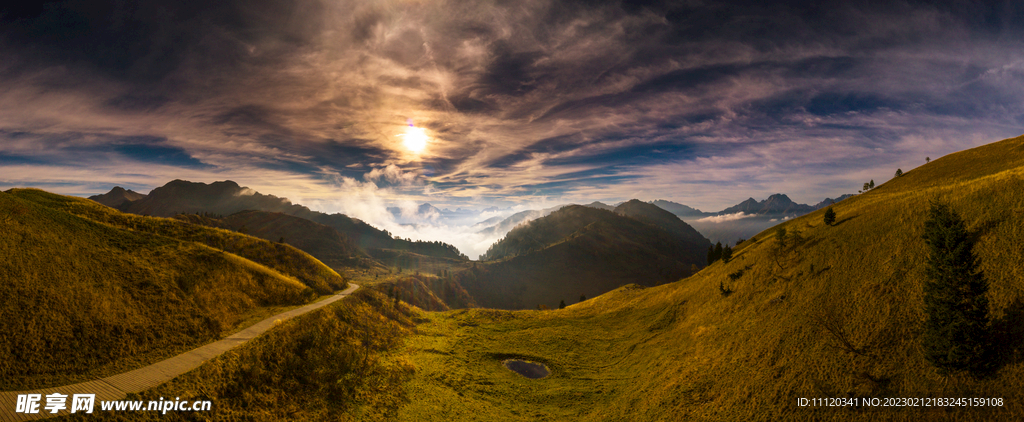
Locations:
(332, 364)
(83, 298)
(280, 257)
(325, 243)
(836, 314)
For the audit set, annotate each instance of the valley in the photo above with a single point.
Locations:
(544, 210)
(804, 309)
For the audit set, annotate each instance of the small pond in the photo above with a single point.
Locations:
(527, 369)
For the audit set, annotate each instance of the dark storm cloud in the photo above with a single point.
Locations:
(589, 100)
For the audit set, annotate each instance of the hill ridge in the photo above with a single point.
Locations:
(228, 197)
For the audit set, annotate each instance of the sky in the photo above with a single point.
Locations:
(353, 106)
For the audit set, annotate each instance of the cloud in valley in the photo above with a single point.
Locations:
(725, 217)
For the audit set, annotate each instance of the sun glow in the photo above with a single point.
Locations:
(414, 139)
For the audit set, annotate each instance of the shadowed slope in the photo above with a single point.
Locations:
(117, 197)
(326, 244)
(653, 215)
(579, 251)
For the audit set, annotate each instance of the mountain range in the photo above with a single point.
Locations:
(775, 205)
(756, 216)
(227, 197)
(535, 246)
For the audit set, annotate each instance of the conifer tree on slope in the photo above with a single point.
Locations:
(726, 253)
(830, 216)
(956, 332)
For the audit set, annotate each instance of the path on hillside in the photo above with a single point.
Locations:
(117, 387)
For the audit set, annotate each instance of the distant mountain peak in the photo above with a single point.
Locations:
(778, 200)
(777, 203)
(118, 197)
(829, 201)
(600, 205)
(677, 208)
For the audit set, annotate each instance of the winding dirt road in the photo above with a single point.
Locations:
(116, 387)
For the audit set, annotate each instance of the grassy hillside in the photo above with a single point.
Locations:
(326, 244)
(427, 292)
(335, 363)
(280, 257)
(415, 263)
(838, 313)
(83, 298)
(579, 251)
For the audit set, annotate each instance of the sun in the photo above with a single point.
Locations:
(414, 139)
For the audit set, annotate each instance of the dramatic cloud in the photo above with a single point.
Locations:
(526, 103)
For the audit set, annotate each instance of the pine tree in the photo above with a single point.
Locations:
(830, 216)
(899, 172)
(956, 332)
(718, 251)
(871, 185)
(561, 304)
(711, 255)
(726, 253)
(583, 297)
(867, 187)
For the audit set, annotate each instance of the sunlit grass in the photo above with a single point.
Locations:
(86, 298)
(280, 257)
(836, 315)
(335, 363)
